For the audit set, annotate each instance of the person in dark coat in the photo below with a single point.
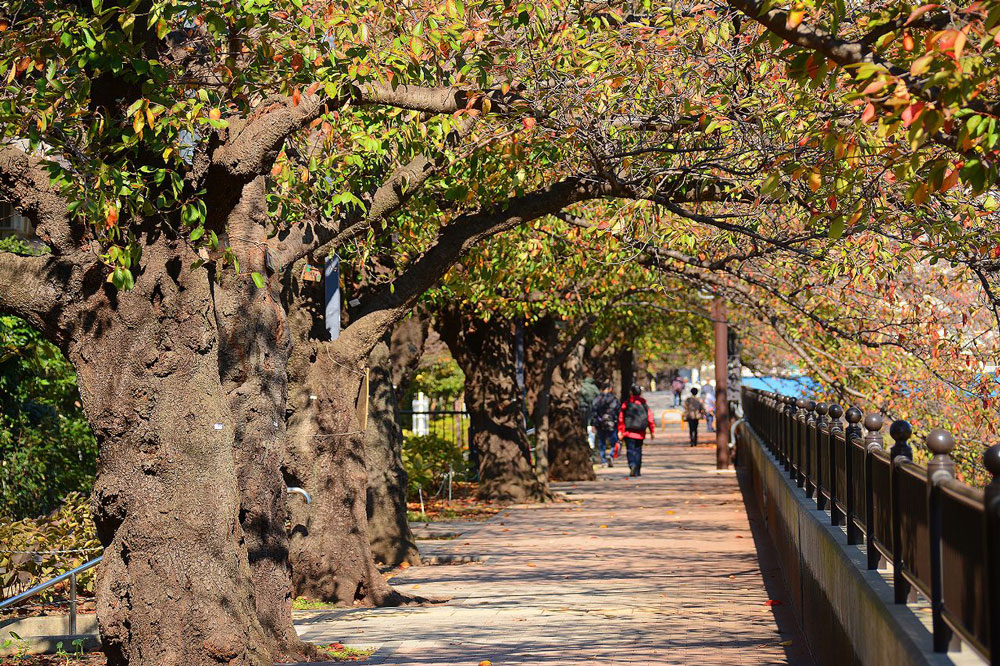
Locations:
(604, 418)
(634, 420)
(694, 411)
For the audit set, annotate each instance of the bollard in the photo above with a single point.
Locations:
(900, 431)
(834, 428)
(873, 442)
(821, 438)
(852, 433)
(991, 513)
(941, 468)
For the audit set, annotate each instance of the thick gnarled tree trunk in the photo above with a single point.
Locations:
(324, 453)
(569, 450)
(175, 585)
(485, 352)
(392, 542)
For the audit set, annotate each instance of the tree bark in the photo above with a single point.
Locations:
(485, 352)
(626, 368)
(175, 585)
(389, 534)
(406, 348)
(324, 453)
(254, 350)
(569, 451)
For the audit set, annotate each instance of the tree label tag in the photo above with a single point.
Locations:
(311, 274)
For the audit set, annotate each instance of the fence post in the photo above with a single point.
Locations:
(800, 419)
(853, 432)
(820, 439)
(835, 428)
(807, 440)
(786, 432)
(991, 514)
(873, 442)
(900, 431)
(941, 468)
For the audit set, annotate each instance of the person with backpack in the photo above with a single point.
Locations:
(634, 419)
(677, 385)
(604, 418)
(694, 411)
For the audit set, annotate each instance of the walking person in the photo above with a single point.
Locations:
(634, 419)
(604, 418)
(677, 386)
(709, 407)
(694, 411)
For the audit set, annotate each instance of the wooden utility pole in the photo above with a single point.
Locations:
(721, 383)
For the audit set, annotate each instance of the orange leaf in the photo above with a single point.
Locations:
(296, 97)
(528, 123)
(794, 18)
(112, 217)
(868, 114)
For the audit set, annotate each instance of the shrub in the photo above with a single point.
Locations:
(30, 548)
(427, 460)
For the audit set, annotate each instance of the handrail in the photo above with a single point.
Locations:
(41, 587)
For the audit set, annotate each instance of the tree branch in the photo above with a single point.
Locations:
(394, 300)
(25, 184)
(34, 289)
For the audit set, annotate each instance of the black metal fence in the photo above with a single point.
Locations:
(942, 536)
(450, 425)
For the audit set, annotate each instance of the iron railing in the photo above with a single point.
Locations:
(450, 425)
(942, 536)
(41, 587)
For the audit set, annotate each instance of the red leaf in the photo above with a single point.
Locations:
(296, 97)
(911, 113)
(772, 602)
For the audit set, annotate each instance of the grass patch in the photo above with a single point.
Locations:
(340, 652)
(301, 603)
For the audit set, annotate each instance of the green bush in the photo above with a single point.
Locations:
(428, 458)
(31, 548)
(46, 446)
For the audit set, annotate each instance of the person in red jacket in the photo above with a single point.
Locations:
(634, 419)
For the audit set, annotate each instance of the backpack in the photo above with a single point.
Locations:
(636, 417)
(606, 412)
(693, 409)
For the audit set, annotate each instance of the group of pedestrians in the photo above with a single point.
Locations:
(627, 422)
(616, 422)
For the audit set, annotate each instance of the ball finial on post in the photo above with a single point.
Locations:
(900, 431)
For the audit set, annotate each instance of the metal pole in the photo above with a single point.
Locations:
(72, 605)
(721, 384)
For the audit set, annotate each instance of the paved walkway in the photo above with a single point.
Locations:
(657, 570)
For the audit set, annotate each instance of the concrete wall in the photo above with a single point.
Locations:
(41, 635)
(847, 612)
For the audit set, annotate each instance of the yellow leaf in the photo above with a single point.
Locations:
(795, 17)
(815, 180)
(138, 122)
(921, 64)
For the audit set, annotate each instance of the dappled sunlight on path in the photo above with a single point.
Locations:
(657, 570)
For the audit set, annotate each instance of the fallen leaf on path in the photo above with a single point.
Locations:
(532, 565)
(404, 565)
(671, 512)
(604, 527)
(772, 602)
(486, 662)
(785, 643)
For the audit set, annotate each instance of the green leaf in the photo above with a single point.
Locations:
(258, 280)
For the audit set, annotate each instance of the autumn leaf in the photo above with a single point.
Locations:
(815, 180)
(795, 16)
(911, 113)
(918, 12)
(868, 114)
(296, 97)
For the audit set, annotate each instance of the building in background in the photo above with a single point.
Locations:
(13, 224)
